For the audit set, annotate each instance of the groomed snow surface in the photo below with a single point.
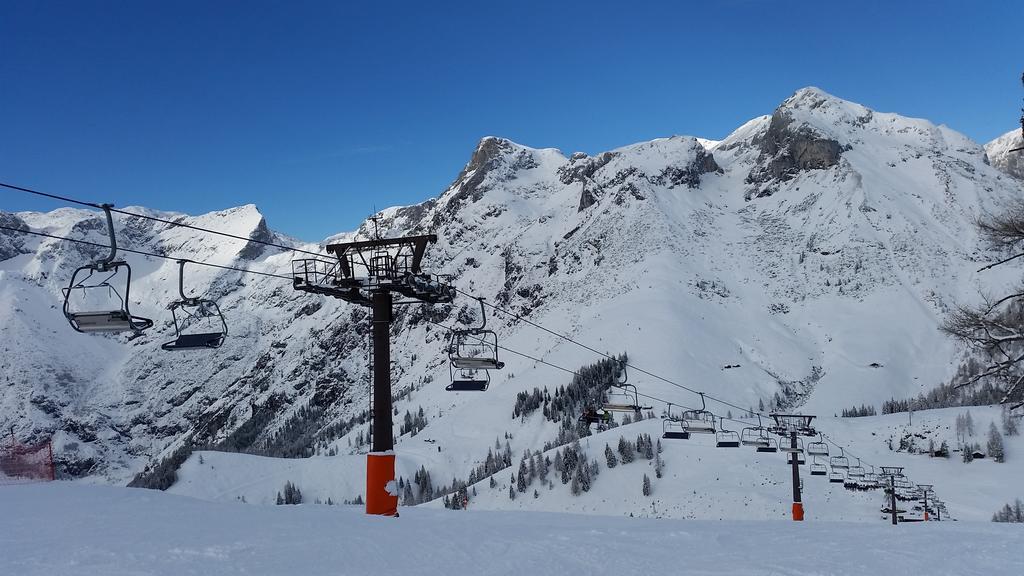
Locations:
(74, 529)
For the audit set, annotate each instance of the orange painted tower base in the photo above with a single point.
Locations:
(798, 511)
(380, 473)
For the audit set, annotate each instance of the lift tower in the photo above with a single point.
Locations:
(791, 427)
(373, 273)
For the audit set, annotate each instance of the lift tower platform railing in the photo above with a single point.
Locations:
(793, 426)
(371, 273)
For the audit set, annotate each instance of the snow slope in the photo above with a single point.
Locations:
(806, 247)
(72, 529)
(700, 481)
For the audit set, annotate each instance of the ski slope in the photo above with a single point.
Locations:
(700, 481)
(73, 529)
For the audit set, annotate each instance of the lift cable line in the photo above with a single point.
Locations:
(604, 354)
(144, 253)
(299, 250)
(161, 220)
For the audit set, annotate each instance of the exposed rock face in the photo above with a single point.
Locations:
(788, 149)
(11, 243)
(666, 162)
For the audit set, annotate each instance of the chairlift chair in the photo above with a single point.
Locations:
(726, 438)
(819, 448)
(699, 421)
(841, 461)
(818, 469)
(673, 428)
(786, 445)
(95, 278)
(770, 444)
(836, 477)
(856, 471)
(473, 352)
(195, 311)
(468, 380)
(624, 398)
(754, 435)
(800, 460)
(475, 348)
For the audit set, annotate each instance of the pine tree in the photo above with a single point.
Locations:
(511, 492)
(575, 486)
(995, 443)
(647, 485)
(659, 465)
(625, 450)
(648, 447)
(493, 483)
(609, 456)
(523, 475)
(659, 446)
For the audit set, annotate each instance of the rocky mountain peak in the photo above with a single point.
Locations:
(1000, 156)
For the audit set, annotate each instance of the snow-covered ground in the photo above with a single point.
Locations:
(74, 529)
(699, 481)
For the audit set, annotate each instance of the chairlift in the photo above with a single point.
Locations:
(475, 348)
(818, 469)
(770, 445)
(623, 398)
(195, 312)
(819, 448)
(114, 314)
(841, 461)
(699, 421)
(856, 471)
(672, 427)
(786, 445)
(726, 438)
(468, 380)
(473, 352)
(754, 435)
(836, 476)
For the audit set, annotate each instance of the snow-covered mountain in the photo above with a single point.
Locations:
(1001, 157)
(806, 259)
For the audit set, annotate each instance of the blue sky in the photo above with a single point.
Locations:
(318, 112)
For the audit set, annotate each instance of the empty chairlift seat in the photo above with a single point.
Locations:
(96, 298)
(198, 322)
(725, 438)
(472, 354)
